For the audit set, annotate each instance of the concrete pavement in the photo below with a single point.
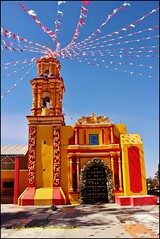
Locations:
(83, 221)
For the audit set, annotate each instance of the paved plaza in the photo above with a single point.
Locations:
(83, 221)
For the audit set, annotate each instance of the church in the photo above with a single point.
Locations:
(93, 161)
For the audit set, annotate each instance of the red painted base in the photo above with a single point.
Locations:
(57, 197)
(136, 200)
(27, 198)
(122, 201)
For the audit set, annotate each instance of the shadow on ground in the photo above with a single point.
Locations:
(68, 216)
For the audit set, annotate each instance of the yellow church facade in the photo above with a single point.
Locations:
(92, 161)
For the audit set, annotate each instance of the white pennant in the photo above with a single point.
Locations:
(32, 13)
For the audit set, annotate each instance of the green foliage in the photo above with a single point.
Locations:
(153, 183)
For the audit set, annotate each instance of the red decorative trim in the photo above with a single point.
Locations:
(32, 156)
(102, 136)
(135, 169)
(84, 136)
(116, 174)
(109, 135)
(16, 181)
(92, 126)
(116, 139)
(89, 150)
(56, 156)
(77, 135)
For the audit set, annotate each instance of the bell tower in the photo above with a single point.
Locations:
(44, 139)
(47, 89)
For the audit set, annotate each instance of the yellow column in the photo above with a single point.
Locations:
(70, 175)
(39, 100)
(120, 173)
(77, 174)
(42, 68)
(112, 168)
(34, 99)
(52, 94)
(111, 132)
(50, 68)
(39, 69)
(76, 136)
(57, 101)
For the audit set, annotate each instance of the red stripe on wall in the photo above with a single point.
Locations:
(84, 136)
(135, 169)
(16, 181)
(102, 136)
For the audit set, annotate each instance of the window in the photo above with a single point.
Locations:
(8, 184)
(46, 71)
(93, 139)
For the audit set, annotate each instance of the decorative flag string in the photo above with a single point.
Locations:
(11, 46)
(98, 42)
(98, 30)
(123, 29)
(117, 51)
(18, 49)
(7, 34)
(81, 22)
(18, 81)
(92, 63)
(119, 43)
(112, 44)
(131, 64)
(44, 28)
(123, 52)
(14, 72)
(16, 63)
(120, 50)
(58, 21)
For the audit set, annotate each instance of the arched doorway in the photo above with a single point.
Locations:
(95, 183)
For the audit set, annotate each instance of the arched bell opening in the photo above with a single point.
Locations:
(46, 102)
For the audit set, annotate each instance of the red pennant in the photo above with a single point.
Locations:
(86, 2)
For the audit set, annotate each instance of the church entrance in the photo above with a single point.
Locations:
(93, 183)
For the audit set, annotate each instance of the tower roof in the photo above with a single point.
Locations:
(48, 59)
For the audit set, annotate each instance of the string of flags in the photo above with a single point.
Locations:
(122, 53)
(58, 21)
(18, 81)
(95, 50)
(15, 71)
(17, 62)
(15, 47)
(12, 36)
(80, 24)
(33, 14)
(98, 42)
(123, 29)
(71, 52)
(92, 63)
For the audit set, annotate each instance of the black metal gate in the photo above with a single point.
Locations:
(94, 188)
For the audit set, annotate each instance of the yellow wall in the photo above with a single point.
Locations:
(9, 175)
(120, 129)
(44, 156)
(126, 142)
(66, 134)
(88, 132)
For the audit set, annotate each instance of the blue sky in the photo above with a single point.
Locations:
(123, 97)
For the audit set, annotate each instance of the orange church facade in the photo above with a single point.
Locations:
(92, 161)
